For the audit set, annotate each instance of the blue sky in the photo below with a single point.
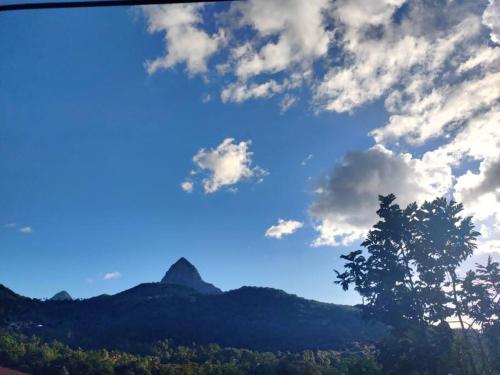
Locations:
(95, 141)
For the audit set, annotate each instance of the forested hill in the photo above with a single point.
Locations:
(249, 317)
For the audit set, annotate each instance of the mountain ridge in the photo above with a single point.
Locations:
(258, 318)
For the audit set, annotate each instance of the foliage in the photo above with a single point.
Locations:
(407, 276)
(35, 356)
(480, 296)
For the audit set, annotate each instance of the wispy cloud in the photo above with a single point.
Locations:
(26, 230)
(307, 160)
(112, 275)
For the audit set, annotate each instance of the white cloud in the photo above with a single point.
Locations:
(10, 225)
(112, 275)
(287, 102)
(294, 33)
(187, 186)
(185, 41)
(480, 192)
(444, 109)
(349, 52)
(26, 230)
(240, 92)
(376, 55)
(226, 165)
(283, 228)
(488, 247)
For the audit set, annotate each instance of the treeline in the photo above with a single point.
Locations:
(32, 355)
(440, 319)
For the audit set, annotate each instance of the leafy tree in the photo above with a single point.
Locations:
(407, 277)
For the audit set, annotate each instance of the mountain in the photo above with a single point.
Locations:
(61, 296)
(184, 273)
(249, 317)
(13, 305)
(7, 295)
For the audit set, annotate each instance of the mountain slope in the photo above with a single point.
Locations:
(184, 308)
(249, 317)
(13, 305)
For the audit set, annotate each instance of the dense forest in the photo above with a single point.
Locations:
(34, 356)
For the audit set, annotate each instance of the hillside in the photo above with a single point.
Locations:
(248, 317)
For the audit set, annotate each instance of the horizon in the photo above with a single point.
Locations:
(251, 138)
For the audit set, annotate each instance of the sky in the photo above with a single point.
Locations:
(252, 138)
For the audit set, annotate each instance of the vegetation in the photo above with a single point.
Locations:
(261, 319)
(408, 277)
(34, 356)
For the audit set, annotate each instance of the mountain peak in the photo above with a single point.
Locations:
(183, 272)
(61, 296)
(183, 262)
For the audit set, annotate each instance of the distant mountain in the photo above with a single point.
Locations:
(13, 305)
(184, 273)
(7, 295)
(61, 296)
(249, 317)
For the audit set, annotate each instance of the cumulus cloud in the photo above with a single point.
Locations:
(226, 165)
(287, 33)
(365, 50)
(26, 230)
(283, 228)
(480, 192)
(187, 186)
(431, 115)
(186, 43)
(112, 275)
(345, 202)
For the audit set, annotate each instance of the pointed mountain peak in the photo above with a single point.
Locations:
(183, 272)
(61, 296)
(183, 262)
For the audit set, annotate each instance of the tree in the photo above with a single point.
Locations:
(480, 295)
(407, 276)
